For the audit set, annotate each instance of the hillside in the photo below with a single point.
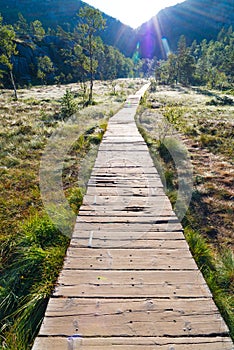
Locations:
(196, 19)
(52, 13)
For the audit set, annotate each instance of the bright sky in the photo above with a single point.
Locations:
(132, 12)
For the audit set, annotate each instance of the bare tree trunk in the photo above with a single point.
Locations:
(91, 89)
(91, 69)
(13, 84)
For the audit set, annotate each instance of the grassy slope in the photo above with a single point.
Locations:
(182, 116)
(32, 248)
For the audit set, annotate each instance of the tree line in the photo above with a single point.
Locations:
(31, 55)
(206, 63)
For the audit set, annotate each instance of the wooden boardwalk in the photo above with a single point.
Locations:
(129, 280)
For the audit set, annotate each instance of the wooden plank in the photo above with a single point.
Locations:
(130, 259)
(167, 284)
(137, 218)
(179, 308)
(123, 183)
(126, 192)
(132, 229)
(104, 204)
(128, 214)
(149, 343)
(121, 139)
(134, 158)
(139, 318)
(153, 236)
(126, 201)
(119, 171)
(111, 179)
(115, 148)
(130, 164)
(128, 210)
(119, 168)
(101, 243)
(122, 238)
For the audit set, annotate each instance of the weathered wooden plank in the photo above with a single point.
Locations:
(126, 175)
(122, 259)
(101, 243)
(123, 165)
(139, 318)
(131, 283)
(136, 158)
(135, 212)
(128, 139)
(136, 205)
(120, 169)
(174, 308)
(152, 236)
(125, 201)
(132, 229)
(122, 183)
(134, 343)
(123, 179)
(137, 218)
(124, 239)
(126, 192)
(114, 148)
(128, 210)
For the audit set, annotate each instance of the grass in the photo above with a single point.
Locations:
(218, 270)
(28, 279)
(32, 246)
(184, 118)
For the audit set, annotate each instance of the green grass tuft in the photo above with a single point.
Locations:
(28, 281)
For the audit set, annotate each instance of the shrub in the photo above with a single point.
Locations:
(75, 198)
(153, 85)
(41, 232)
(68, 105)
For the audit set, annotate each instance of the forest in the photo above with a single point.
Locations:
(32, 55)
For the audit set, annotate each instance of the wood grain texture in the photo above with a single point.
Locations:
(127, 343)
(139, 318)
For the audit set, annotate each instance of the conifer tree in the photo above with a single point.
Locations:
(7, 50)
(91, 22)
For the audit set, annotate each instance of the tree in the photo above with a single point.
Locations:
(68, 105)
(45, 67)
(21, 26)
(91, 21)
(148, 67)
(37, 30)
(172, 64)
(185, 62)
(107, 65)
(7, 50)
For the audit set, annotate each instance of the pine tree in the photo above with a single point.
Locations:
(185, 62)
(91, 21)
(7, 50)
(45, 67)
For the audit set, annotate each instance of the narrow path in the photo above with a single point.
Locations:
(129, 280)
